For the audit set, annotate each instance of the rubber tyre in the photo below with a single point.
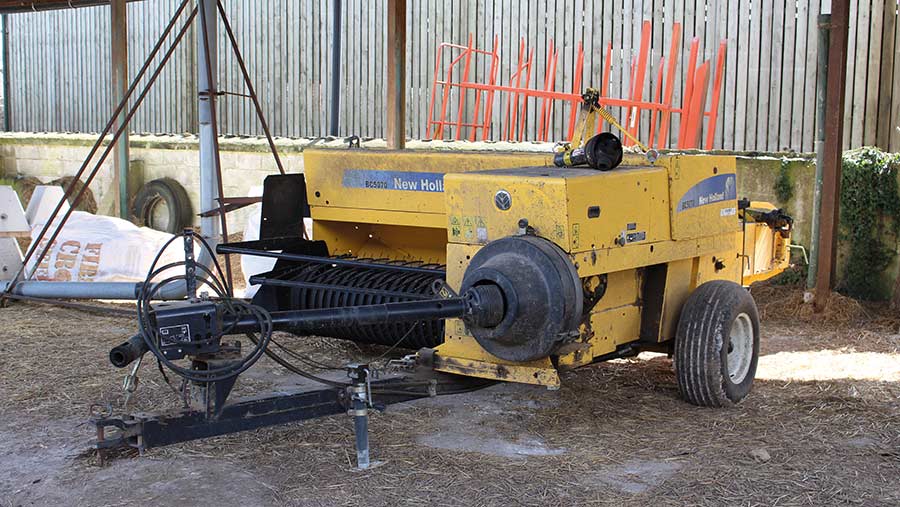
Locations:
(703, 340)
(175, 198)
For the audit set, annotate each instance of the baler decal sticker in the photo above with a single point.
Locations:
(375, 179)
(709, 191)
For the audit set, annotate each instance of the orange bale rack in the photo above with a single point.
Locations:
(522, 87)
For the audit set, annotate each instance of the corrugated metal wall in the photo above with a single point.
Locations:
(59, 63)
(59, 71)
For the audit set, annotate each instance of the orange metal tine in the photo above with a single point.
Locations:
(633, 116)
(656, 98)
(512, 106)
(687, 98)
(576, 89)
(607, 67)
(462, 91)
(559, 96)
(547, 73)
(488, 110)
(552, 86)
(437, 69)
(474, 131)
(529, 65)
(717, 84)
(625, 140)
(695, 119)
(448, 84)
(670, 86)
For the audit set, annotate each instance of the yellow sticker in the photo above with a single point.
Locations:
(468, 228)
(455, 230)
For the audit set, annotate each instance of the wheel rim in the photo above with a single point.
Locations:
(740, 348)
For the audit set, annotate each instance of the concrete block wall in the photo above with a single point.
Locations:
(757, 177)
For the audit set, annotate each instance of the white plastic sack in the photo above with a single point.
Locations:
(92, 248)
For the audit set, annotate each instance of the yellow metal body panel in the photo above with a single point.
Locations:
(390, 204)
(672, 224)
(765, 254)
(572, 207)
(383, 180)
(703, 193)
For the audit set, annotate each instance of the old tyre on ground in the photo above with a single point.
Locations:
(717, 345)
(163, 205)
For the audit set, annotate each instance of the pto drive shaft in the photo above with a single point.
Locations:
(482, 305)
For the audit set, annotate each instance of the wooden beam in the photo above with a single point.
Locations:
(395, 128)
(118, 13)
(831, 169)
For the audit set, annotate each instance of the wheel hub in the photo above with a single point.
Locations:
(740, 348)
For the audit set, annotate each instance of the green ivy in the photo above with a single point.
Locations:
(870, 220)
(784, 187)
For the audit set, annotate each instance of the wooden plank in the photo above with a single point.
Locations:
(679, 101)
(656, 16)
(860, 75)
(620, 56)
(556, 131)
(346, 104)
(523, 30)
(748, 76)
(851, 71)
(425, 68)
(627, 60)
(576, 36)
(895, 114)
(604, 23)
(302, 56)
(789, 76)
(779, 40)
(801, 63)
(324, 45)
(874, 73)
(765, 76)
(590, 47)
(669, 21)
(729, 116)
(510, 43)
(367, 52)
(810, 83)
(382, 42)
(349, 98)
(652, 69)
(723, 31)
(888, 45)
(360, 84)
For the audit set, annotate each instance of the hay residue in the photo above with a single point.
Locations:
(787, 303)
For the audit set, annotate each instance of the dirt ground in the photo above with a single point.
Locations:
(822, 427)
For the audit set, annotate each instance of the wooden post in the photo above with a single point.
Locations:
(119, 85)
(395, 128)
(834, 135)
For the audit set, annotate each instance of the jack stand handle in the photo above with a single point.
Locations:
(359, 409)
